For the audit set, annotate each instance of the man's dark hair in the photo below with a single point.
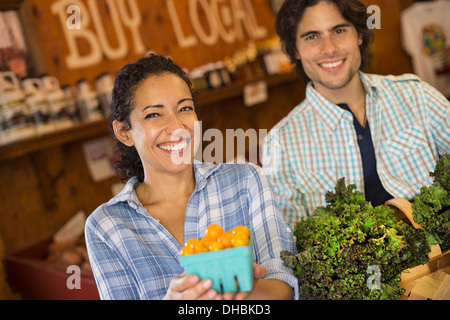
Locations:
(292, 12)
(126, 83)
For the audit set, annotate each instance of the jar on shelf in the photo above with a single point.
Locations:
(88, 102)
(104, 84)
(15, 117)
(59, 109)
(223, 72)
(198, 79)
(70, 94)
(212, 76)
(36, 100)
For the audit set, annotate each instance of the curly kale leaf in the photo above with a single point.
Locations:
(441, 173)
(340, 241)
(431, 208)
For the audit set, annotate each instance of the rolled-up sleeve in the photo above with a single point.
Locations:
(271, 234)
(110, 271)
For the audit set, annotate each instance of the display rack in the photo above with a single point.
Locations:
(94, 128)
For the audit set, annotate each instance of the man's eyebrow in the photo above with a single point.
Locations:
(308, 33)
(313, 32)
(162, 106)
(342, 25)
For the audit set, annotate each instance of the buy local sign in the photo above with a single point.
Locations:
(95, 30)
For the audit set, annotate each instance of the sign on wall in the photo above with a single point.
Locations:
(14, 52)
(82, 38)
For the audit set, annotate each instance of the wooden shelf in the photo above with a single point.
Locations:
(10, 5)
(236, 89)
(96, 128)
(41, 141)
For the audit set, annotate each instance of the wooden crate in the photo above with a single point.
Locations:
(34, 278)
(430, 281)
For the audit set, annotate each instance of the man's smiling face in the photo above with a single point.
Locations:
(328, 47)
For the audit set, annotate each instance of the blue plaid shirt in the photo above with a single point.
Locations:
(316, 144)
(134, 257)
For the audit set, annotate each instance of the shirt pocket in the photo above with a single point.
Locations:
(313, 186)
(410, 156)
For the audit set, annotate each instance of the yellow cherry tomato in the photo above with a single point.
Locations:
(241, 229)
(239, 239)
(192, 242)
(215, 245)
(225, 240)
(213, 231)
(199, 247)
(185, 251)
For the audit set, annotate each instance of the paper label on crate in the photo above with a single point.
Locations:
(72, 230)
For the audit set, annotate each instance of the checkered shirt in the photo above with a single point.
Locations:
(311, 148)
(134, 257)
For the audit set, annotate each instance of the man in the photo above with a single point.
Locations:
(382, 133)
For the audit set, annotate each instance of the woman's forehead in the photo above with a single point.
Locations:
(161, 89)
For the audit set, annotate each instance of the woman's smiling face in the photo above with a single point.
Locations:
(163, 124)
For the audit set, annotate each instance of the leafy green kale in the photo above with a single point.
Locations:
(441, 173)
(431, 208)
(342, 241)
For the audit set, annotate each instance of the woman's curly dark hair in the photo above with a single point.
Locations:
(126, 83)
(291, 13)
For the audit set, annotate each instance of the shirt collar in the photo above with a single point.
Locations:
(370, 85)
(128, 193)
(202, 171)
(330, 113)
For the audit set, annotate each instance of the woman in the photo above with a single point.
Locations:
(134, 240)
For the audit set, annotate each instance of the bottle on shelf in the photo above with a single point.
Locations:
(197, 76)
(223, 72)
(15, 117)
(104, 86)
(70, 98)
(60, 112)
(88, 102)
(36, 100)
(213, 77)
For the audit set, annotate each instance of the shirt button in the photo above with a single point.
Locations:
(288, 229)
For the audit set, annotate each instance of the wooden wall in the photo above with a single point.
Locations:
(46, 27)
(191, 32)
(43, 189)
(387, 57)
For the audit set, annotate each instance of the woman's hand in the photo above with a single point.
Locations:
(258, 272)
(189, 287)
